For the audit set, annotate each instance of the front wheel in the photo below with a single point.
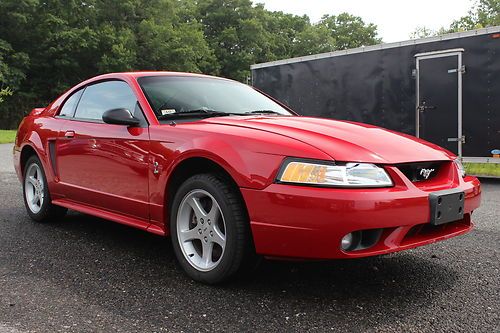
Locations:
(36, 193)
(209, 229)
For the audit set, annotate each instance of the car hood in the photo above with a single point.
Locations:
(344, 140)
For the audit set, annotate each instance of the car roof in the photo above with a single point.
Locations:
(123, 76)
(138, 74)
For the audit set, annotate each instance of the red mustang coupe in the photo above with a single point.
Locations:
(229, 173)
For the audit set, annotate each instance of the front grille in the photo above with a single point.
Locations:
(420, 171)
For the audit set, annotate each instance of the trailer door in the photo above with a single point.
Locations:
(439, 98)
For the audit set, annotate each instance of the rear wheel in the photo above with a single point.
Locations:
(36, 193)
(209, 229)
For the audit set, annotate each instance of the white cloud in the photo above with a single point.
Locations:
(395, 19)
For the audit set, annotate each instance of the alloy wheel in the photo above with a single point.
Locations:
(34, 189)
(201, 230)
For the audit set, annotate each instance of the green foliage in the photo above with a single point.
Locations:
(485, 13)
(48, 46)
(422, 32)
(349, 31)
(4, 92)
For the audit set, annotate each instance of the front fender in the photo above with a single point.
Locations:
(242, 167)
(252, 158)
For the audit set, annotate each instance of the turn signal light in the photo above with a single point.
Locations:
(296, 172)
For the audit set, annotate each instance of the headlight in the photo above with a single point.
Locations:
(460, 167)
(332, 174)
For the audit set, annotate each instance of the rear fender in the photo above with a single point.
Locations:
(31, 138)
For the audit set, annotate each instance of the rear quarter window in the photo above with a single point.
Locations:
(68, 108)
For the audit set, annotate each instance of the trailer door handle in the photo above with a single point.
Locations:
(69, 134)
(462, 139)
(422, 108)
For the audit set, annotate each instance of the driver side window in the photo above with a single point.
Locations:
(100, 97)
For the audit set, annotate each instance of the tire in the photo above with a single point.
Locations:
(36, 194)
(210, 248)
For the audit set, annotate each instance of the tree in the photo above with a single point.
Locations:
(349, 31)
(236, 33)
(57, 44)
(241, 34)
(314, 39)
(4, 92)
(48, 46)
(285, 32)
(485, 13)
(10, 76)
(422, 32)
(13, 61)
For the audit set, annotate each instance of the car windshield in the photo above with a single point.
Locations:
(175, 96)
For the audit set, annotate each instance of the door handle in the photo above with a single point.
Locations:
(69, 134)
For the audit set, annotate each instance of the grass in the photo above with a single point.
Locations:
(483, 169)
(7, 136)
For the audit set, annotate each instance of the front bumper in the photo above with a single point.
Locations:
(302, 222)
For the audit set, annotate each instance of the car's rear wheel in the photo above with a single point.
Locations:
(36, 193)
(209, 229)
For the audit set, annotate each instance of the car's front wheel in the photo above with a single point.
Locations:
(36, 193)
(209, 229)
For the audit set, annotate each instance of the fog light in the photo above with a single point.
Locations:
(346, 242)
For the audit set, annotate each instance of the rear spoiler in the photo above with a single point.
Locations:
(36, 111)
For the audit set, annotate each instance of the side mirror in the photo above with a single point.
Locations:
(120, 117)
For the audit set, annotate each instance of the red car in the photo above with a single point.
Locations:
(229, 173)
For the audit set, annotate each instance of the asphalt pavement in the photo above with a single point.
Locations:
(85, 274)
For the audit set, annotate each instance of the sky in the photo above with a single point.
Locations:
(395, 20)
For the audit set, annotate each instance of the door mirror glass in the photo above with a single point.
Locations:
(120, 117)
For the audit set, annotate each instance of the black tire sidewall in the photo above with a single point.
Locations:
(233, 251)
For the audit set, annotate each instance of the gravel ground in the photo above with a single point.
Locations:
(85, 274)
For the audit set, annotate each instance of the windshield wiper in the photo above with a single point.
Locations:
(264, 112)
(204, 113)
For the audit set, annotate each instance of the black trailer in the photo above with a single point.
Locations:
(443, 89)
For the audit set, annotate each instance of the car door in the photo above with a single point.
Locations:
(105, 165)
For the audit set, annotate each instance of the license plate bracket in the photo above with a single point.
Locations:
(446, 206)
